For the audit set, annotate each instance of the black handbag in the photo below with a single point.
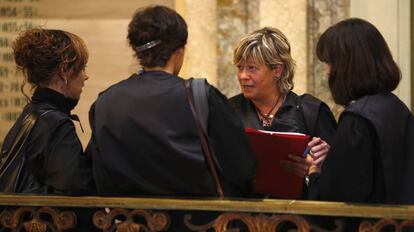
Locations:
(12, 160)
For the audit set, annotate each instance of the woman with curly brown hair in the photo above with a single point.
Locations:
(53, 162)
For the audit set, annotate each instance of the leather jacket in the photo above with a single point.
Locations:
(54, 161)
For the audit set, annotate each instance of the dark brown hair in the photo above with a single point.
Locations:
(161, 24)
(42, 54)
(360, 60)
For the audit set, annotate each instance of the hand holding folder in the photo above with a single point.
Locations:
(270, 149)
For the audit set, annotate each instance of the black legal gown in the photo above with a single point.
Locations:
(145, 142)
(371, 159)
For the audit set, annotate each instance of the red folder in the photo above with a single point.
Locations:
(271, 148)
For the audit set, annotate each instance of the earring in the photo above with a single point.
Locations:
(275, 78)
(65, 87)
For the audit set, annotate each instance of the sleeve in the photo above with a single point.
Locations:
(68, 169)
(348, 171)
(325, 124)
(234, 155)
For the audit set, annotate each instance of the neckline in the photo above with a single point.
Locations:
(267, 119)
(65, 104)
(143, 72)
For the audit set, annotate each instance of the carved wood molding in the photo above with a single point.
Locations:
(33, 219)
(368, 226)
(254, 223)
(260, 223)
(124, 220)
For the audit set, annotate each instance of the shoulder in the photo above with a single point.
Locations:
(378, 103)
(54, 121)
(238, 100)
(308, 99)
(355, 123)
(117, 87)
(311, 104)
(49, 114)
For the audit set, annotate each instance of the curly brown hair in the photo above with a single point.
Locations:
(42, 54)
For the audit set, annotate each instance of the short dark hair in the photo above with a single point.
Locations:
(360, 60)
(156, 23)
(42, 54)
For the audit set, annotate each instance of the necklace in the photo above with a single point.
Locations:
(267, 119)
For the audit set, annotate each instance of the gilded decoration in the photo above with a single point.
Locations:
(33, 219)
(123, 220)
(36, 213)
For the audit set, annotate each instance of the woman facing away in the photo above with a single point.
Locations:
(53, 62)
(265, 73)
(144, 138)
(371, 159)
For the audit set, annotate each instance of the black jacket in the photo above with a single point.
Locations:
(54, 158)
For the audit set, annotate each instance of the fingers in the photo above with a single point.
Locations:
(314, 141)
(320, 155)
(297, 165)
(319, 150)
(289, 166)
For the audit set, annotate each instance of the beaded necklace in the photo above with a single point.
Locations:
(267, 119)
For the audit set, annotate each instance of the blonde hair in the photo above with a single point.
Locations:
(268, 46)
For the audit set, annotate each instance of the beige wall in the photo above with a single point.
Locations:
(103, 26)
(392, 18)
(201, 49)
(290, 18)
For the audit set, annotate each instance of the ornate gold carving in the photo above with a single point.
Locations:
(261, 222)
(33, 219)
(123, 220)
(254, 223)
(192, 227)
(6, 218)
(368, 226)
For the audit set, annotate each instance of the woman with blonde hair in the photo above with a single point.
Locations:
(265, 74)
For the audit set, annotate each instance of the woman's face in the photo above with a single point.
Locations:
(75, 85)
(256, 81)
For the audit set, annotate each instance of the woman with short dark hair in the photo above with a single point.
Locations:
(360, 62)
(368, 160)
(144, 138)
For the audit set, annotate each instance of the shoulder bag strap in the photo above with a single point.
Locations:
(198, 87)
(205, 146)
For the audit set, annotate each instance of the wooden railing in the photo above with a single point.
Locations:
(58, 213)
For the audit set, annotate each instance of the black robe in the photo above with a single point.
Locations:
(145, 142)
(303, 114)
(371, 159)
